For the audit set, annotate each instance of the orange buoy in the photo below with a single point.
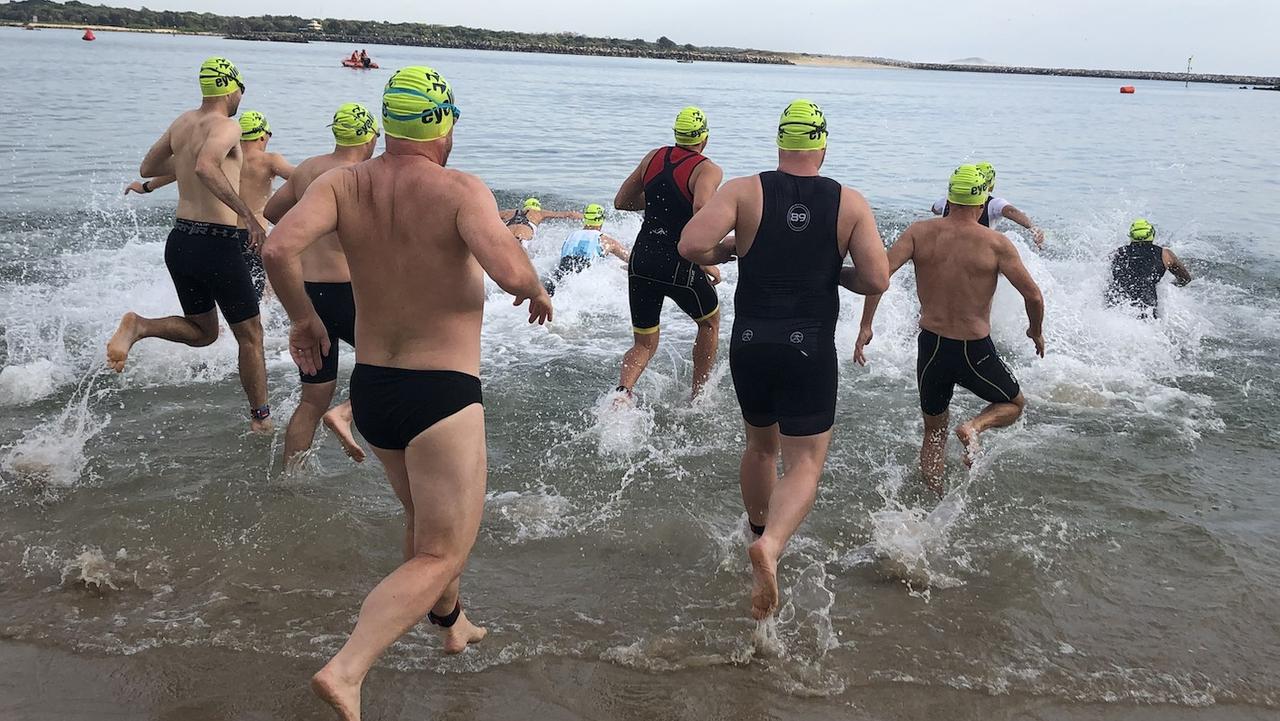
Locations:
(1128, 89)
(88, 34)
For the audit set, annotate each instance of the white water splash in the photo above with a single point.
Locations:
(51, 456)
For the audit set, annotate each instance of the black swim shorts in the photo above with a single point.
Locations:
(655, 275)
(943, 363)
(336, 306)
(208, 270)
(785, 372)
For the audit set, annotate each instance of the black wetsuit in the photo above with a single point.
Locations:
(336, 306)
(783, 349)
(208, 268)
(1136, 270)
(944, 363)
(657, 271)
(521, 217)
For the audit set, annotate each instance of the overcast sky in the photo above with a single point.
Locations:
(1226, 36)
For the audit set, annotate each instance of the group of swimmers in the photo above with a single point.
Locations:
(394, 250)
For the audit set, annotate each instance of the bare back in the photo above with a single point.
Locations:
(257, 174)
(419, 291)
(187, 136)
(323, 261)
(957, 266)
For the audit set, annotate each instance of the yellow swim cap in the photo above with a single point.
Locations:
(219, 77)
(417, 104)
(353, 125)
(253, 125)
(989, 172)
(802, 127)
(691, 126)
(1142, 231)
(532, 204)
(968, 186)
(593, 215)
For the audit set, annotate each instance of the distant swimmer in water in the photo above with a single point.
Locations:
(328, 284)
(670, 185)
(419, 239)
(958, 264)
(524, 221)
(258, 173)
(204, 251)
(792, 230)
(1136, 270)
(996, 208)
(582, 247)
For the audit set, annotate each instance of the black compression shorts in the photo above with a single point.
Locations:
(336, 306)
(942, 363)
(208, 270)
(392, 406)
(785, 372)
(656, 274)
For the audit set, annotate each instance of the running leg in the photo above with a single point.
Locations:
(301, 431)
(253, 367)
(933, 451)
(996, 415)
(705, 347)
(637, 359)
(758, 473)
(196, 331)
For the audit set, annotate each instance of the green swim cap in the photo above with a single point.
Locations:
(532, 204)
(989, 171)
(802, 127)
(593, 215)
(219, 77)
(253, 125)
(354, 125)
(417, 104)
(1142, 231)
(968, 186)
(691, 126)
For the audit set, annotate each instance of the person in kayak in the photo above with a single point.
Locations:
(996, 208)
(582, 247)
(523, 222)
(1136, 270)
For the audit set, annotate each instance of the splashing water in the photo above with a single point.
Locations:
(51, 457)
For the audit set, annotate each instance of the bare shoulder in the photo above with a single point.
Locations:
(1000, 243)
(853, 199)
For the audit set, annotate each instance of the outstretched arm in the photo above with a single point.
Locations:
(614, 248)
(317, 216)
(1011, 267)
(213, 151)
(631, 195)
(497, 252)
(150, 185)
(1024, 220)
(561, 214)
(901, 251)
(701, 241)
(1175, 266)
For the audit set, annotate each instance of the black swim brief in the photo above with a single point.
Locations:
(208, 270)
(942, 363)
(785, 372)
(655, 275)
(392, 406)
(336, 306)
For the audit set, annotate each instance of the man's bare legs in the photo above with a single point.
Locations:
(301, 431)
(637, 359)
(442, 475)
(802, 459)
(339, 422)
(196, 331)
(758, 472)
(933, 451)
(996, 415)
(705, 346)
(253, 367)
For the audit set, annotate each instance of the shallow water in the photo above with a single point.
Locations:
(1118, 546)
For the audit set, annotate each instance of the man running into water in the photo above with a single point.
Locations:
(524, 221)
(958, 263)
(328, 284)
(1136, 270)
(419, 239)
(203, 252)
(582, 247)
(793, 229)
(670, 185)
(996, 208)
(258, 172)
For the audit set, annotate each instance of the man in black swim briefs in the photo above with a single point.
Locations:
(670, 185)
(204, 250)
(418, 239)
(792, 230)
(958, 263)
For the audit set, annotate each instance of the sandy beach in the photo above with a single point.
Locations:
(834, 61)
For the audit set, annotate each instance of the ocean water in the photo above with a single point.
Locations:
(1116, 550)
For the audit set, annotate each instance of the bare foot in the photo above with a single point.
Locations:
(764, 572)
(461, 634)
(122, 342)
(968, 443)
(338, 421)
(623, 400)
(343, 696)
(263, 427)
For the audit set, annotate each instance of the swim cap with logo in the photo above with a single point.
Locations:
(219, 77)
(802, 127)
(532, 204)
(989, 171)
(353, 125)
(968, 186)
(593, 215)
(1142, 231)
(691, 126)
(417, 104)
(253, 125)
